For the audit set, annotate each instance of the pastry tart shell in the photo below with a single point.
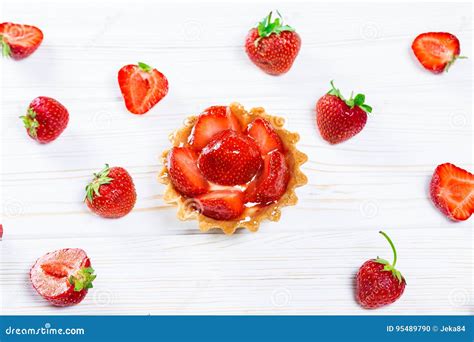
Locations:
(253, 216)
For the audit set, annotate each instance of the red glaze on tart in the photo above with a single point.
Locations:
(229, 168)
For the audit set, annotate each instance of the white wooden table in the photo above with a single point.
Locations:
(149, 262)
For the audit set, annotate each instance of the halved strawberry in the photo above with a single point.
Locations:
(271, 182)
(63, 277)
(221, 204)
(212, 121)
(452, 191)
(142, 87)
(184, 173)
(1, 231)
(230, 158)
(19, 41)
(436, 51)
(267, 139)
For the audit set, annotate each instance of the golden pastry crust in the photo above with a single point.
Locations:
(253, 215)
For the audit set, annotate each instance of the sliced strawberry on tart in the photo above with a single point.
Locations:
(231, 169)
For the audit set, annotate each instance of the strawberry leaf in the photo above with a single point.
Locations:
(101, 178)
(30, 122)
(334, 91)
(451, 62)
(358, 100)
(382, 261)
(145, 67)
(267, 27)
(83, 279)
(6, 51)
(366, 108)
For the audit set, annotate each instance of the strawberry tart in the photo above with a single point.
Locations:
(229, 168)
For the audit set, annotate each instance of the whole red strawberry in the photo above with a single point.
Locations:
(339, 119)
(19, 41)
(272, 46)
(111, 193)
(230, 158)
(142, 87)
(45, 119)
(436, 51)
(452, 191)
(378, 283)
(63, 277)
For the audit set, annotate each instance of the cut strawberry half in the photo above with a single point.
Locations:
(63, 277)
(272, 181)
(19, 41)
(436, 51)
(452, 191)
(184, 173)
(221, 204)
(212, 121)
(142, 87)
(267, 139)
(230, 158)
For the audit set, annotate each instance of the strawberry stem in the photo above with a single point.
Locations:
(267, 27)
(393, 248)
(387, 265)
(92, 189)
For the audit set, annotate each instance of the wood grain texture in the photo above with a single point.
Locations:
(148, 262)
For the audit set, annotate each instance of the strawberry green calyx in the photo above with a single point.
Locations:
(83, 279)
(267, 27)
(358, 100)
(451, 62)
(144, 67)
(390, 266)
(6, 51)
(30, 122)
(100, 178)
